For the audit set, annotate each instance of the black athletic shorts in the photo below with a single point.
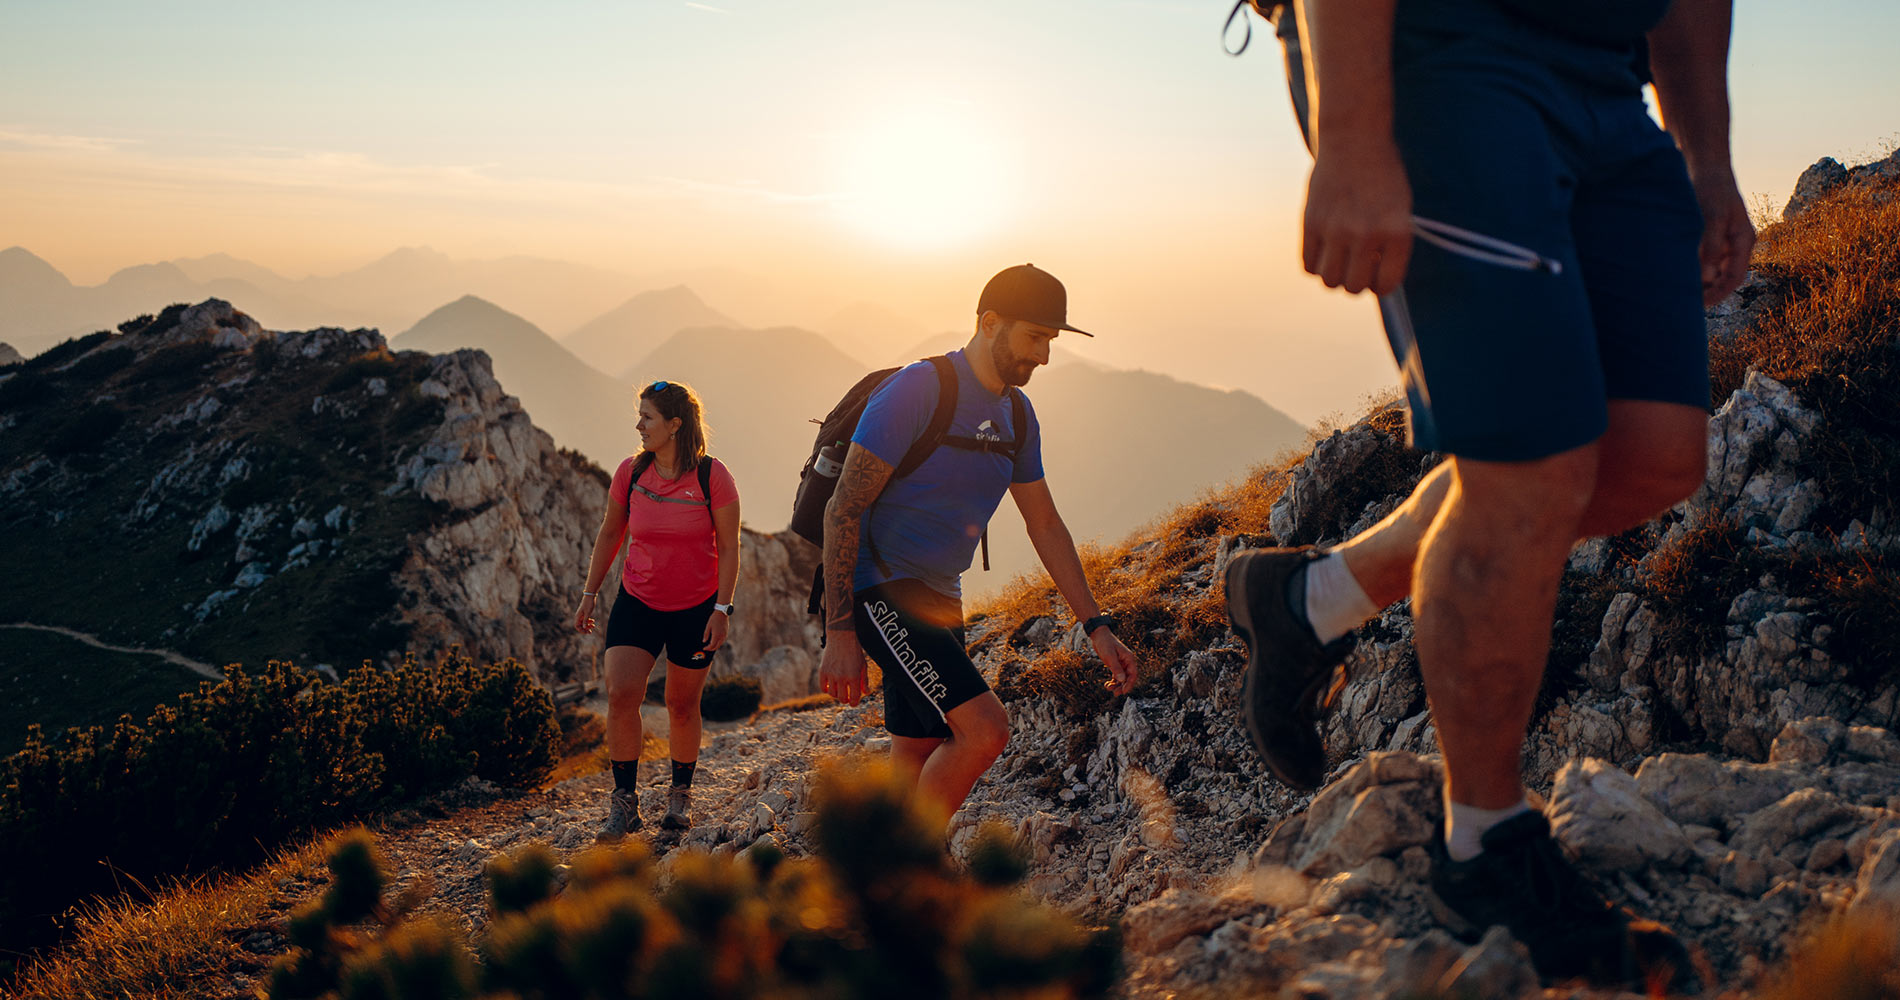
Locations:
(680, 634)
(915, 635)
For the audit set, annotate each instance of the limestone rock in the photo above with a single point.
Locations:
(1598, 811)
(1161, 923)
(1817, 181)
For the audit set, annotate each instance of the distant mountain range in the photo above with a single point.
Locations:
(630, 330)
(614, 318)
(1119, 445)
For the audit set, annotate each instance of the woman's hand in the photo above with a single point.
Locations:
(584, 615)
(717, 624)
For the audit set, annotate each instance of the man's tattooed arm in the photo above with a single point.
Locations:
(859, 484)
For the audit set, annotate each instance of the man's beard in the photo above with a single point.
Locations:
(1012, 368)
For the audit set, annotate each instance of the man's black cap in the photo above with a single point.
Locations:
(1027, 292)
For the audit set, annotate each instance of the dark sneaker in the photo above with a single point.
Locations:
(679, 804)
(1523, 882)
(1290, 680)
(623, 816)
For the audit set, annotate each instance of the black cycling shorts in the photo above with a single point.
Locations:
(915, 635)
(681, 635)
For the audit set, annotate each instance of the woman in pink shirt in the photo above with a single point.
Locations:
(678, 510)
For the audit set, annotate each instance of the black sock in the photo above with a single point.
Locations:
(683, 773)
(626, 775)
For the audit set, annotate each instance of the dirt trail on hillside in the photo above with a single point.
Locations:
(204, 670)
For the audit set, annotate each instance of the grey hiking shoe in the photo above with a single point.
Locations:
(1522, 882)
(679, 803)
(1290, 680)
(623, 816)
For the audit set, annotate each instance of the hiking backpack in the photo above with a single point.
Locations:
(818, 480)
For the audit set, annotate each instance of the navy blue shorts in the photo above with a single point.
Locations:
(915, 635)
(1504, 363)
(681, 635)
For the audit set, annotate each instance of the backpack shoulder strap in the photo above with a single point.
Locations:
(705, 483)
(1018, 422)
(939, 425)
(641, 463)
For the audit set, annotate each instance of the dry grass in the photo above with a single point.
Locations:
(186, 943)
(1832, 337)
(1142, 581)
(1851, 957)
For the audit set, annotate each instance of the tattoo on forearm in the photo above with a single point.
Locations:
(860, 482)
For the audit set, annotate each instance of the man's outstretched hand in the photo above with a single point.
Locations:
(842, 673)
(1123, 672)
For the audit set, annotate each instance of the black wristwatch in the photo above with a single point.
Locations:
(725, 609)
(1089, 627)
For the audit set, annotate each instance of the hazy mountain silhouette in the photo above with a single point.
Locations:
(869, 332)
(39, 306)
(635, 327)
(582, 408)
(34, 297)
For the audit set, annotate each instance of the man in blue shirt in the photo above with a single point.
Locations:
(895, 548)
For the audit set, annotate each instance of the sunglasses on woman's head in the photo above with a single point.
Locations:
(660, 386)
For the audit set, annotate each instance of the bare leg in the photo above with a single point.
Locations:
(682, 711)
(908, 754)
(1486, 587)
(1381, 557)
(627, 670)
(1652, 456)
(979, 729)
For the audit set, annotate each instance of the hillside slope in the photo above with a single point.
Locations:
(1715, 742)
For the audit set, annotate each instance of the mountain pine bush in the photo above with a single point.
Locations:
(221, 776)
(878, 913)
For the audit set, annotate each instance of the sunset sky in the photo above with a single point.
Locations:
(894, 153)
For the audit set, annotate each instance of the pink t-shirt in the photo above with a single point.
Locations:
(672, 558)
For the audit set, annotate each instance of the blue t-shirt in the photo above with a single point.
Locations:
(927, 524)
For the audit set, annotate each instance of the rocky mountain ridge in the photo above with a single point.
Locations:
(249, 494)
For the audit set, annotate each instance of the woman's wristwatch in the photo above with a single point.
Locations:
(725, 609)
(1089, 627)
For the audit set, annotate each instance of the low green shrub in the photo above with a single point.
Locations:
(878, 913)
(219, 777)
(725, 699)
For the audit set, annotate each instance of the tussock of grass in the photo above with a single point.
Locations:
(1142, 582)
(805, 704)
(185, 943)
(1834, 338)
(1851, 957)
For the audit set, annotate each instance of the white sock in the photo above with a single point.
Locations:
(1465, 826)
(1335, 603)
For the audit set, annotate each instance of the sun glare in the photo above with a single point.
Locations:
(924, 176)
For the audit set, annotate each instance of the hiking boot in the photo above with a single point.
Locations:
(623, 816)
(679, 802)
(1523, 882)
(1290, 680)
